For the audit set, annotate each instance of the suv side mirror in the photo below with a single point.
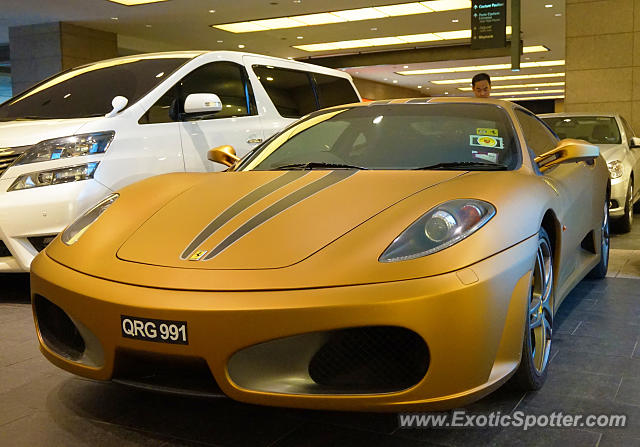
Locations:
(635, 142)
(202, 104)
(225, 155)
(567, 151)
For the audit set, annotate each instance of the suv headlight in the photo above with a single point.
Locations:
(73, 232)
(439, 228)
(66, 147)
(54, 176)
(616, 169)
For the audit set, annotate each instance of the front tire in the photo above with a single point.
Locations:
(536, 345)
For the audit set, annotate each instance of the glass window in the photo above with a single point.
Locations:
(539, 138)
(88, 90)
(333, 91)
(290, 90)
(594, 129)
(396, 136)
(165, 110)
(228, 80)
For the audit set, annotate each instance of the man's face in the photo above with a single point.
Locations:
(482, 89)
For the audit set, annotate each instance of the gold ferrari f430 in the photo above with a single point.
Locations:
(405, 254)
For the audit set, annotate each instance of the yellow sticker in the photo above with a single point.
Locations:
(487, 131)
(487, 141)
(197, 255)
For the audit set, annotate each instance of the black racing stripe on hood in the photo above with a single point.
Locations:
(280, 206)
(239, 206)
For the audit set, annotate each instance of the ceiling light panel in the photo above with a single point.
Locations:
(504, 87)
(136, 2)
(479, 68)
(535, 98)
(536, 92)
(500, 78)
(345, 15)
(392, 40)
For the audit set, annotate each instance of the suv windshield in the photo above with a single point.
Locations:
(88, 90)
(394, 136)
(594, 129)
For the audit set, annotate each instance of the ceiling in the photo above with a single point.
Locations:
(185, 24)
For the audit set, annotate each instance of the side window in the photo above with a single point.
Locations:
(539, 138)
(163, 111)
(333, 91)
(228, 80)
(289, 90)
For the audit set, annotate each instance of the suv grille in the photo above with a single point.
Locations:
(8, 155)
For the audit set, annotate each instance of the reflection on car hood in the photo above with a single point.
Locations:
(28, 132)
(267, 219)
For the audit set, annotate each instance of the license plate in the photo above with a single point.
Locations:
(160, 331)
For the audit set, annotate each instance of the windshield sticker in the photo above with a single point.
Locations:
(486, 141)
(487, 131)
(488, 156)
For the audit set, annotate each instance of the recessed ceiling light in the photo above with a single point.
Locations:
(533, 98)
(114, 18)
(148, 26)
(535, 49)
(136, 2)
(446, 93)
(455, 21)
(419, 86)
(241, 46)
(501, 78)
(558, 14)
(299, 37)
(548, 6)
(406, 66)
(346, 15)
(211, 11)
(395, 81)
(386, 79)
(219, 41)
(297, 1)
(374, 29)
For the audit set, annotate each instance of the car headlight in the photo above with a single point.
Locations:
(54, 176)
(616, 169)
(439, 228)
(66, 147)
(73, 232)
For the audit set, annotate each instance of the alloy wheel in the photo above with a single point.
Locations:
(540, 312)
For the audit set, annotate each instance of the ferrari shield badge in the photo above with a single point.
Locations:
(198, 255)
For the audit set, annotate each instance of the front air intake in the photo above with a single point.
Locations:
(58, 332)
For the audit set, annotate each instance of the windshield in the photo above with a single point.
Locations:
(394, 136)
(88, 90)
(594, 129)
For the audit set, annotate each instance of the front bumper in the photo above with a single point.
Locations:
(471, 320)
(36, 212)
(618, 197)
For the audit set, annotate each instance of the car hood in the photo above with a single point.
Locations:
(27, 132)
(266, 219)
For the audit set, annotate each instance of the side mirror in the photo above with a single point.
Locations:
(225, 155)
(202, 104)
(635, 142)
(567, 151)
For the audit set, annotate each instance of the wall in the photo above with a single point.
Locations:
(377, 90)
(603, 57)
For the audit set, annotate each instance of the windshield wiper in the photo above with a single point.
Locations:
(317, 165)
(464, 165)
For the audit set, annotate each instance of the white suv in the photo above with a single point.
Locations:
(619, 147)
(71, 140)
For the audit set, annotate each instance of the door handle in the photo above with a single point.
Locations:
(254, 140)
